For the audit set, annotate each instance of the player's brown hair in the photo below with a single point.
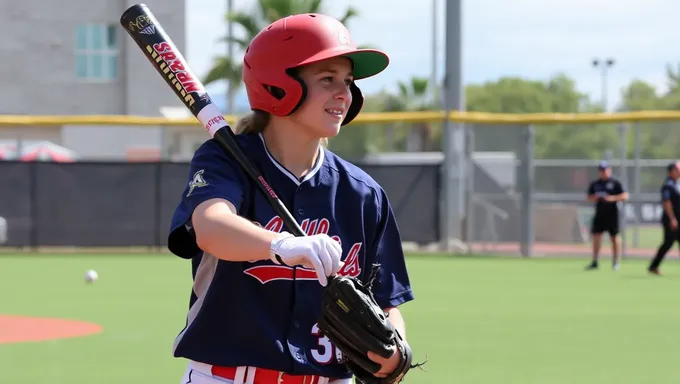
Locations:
(256, 121)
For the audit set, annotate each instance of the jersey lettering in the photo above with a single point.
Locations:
(268, 273)
(275, 224)
(351, 267)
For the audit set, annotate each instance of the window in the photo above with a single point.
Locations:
(96, 52)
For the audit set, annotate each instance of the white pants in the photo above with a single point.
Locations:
(200, 373)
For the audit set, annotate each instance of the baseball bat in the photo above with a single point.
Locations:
(157, 46)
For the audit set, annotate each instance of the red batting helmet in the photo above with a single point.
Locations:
(298, 40)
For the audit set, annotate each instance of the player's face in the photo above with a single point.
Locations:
(328, 97)
(675, 172)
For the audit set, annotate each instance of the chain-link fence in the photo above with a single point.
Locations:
(537, 204)
(521, 186)
(525, 185)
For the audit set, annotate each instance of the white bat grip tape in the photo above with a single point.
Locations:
(212, 119)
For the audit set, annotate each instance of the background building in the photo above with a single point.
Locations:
(74, 58)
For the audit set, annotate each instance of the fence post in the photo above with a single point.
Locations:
(527, 171)
(453, 192)
(33, 193)
(389, 134)
(453, 140)
(637, 186)
(470, 186)
(158, 206)
(624, 180)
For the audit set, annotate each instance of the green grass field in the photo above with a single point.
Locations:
(479, 320)
(649, 236)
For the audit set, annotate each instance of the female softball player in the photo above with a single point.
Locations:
(257, 289)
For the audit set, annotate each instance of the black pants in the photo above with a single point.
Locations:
(670, 236)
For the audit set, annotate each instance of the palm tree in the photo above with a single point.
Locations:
(415, 95)
(252, 22)
(673, 77)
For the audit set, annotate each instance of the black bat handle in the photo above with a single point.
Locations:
(157, 46)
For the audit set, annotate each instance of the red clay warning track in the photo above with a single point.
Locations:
(22, 329)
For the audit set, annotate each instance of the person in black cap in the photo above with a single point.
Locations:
(670, 199)
(606, 192)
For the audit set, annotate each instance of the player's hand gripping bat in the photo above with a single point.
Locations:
(157, 46)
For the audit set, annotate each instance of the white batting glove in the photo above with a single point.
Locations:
(318, 252)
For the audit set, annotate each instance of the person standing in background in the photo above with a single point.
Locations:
(670, 199)
(605, 192)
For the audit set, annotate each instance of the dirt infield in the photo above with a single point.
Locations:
(22, 329)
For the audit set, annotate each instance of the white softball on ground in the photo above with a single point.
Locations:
(91, 276)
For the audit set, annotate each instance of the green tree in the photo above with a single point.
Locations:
(357, 140)
(673, 76)
(508, 95)
(414, 96)
(640, 96)
(659, 140)
(251, 22)
(557, 95)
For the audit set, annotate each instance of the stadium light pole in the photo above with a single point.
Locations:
(603, 65)
(434, 75)
(453, 190)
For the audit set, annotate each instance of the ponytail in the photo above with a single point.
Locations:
(252, 123)
(256, 121)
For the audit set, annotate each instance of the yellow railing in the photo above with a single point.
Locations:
(364, 118)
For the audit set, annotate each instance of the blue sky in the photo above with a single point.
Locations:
(529, 38)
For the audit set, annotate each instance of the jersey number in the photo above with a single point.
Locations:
(324, 354)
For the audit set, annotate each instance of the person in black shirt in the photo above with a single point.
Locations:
(670, 198)
(606, 192)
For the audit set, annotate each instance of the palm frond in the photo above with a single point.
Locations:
(403, 90)
(224, 68)
(314, 6)
(241, 43)
(247, 21)
(419, 86)
(350, 13)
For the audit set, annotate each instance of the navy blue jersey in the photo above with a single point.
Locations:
(670, 191)
(262, 314)
(602, 188)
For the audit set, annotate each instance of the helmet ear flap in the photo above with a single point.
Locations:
(303, 94)
(283, 101)
(357, 104)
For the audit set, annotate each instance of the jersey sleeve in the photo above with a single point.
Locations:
(392, 286)
(591, 189)
(666, 192)
(618, 188)
(212, 174)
